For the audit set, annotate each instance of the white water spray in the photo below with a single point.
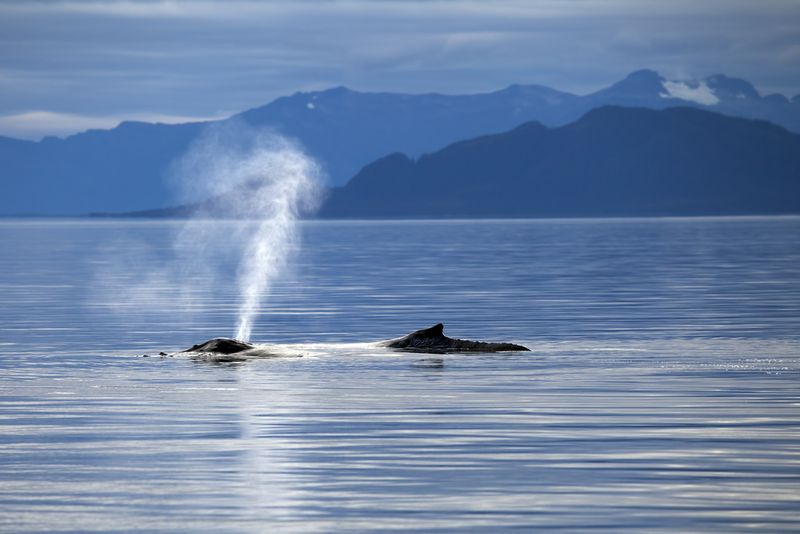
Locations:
(264, 180)
(249, 187)
(287, 181)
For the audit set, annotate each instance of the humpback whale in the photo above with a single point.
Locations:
(430, 340)
(433, 340)
(230, 350)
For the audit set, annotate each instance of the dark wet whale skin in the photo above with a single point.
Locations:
(433, 340)
(221, 345)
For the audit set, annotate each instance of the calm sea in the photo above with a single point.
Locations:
(662, 392)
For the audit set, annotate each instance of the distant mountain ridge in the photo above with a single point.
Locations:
(123, 169)
(612, 162)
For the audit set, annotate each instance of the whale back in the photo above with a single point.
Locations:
(221, 345)
(433, 340)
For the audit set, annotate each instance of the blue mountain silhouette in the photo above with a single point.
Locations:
(123, 169)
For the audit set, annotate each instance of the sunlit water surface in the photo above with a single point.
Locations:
(662, 392)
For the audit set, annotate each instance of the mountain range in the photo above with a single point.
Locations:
(123, 169)
(614, 161)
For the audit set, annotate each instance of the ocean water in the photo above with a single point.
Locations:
(661, 393)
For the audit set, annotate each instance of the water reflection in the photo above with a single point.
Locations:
(429, 363)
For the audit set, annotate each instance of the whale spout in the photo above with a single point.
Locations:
(433, 340)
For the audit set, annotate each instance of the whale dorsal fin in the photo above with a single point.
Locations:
(436, 330)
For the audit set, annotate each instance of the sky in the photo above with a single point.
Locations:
(66, 66)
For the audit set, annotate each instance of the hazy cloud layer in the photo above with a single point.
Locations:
(34, 124)
(98, 60)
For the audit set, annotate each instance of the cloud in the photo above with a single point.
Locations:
(245, 9)
(199, 58)
(34, 125)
